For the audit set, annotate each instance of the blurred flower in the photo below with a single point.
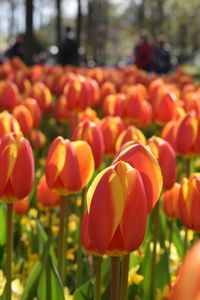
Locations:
(133, 277)
(69, 166)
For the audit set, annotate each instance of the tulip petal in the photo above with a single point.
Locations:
(140, 158)
(85, 159)
(8, 154)
(71, 174)
(133, 222)
(23, 172)
(106, 209)
(55, 160)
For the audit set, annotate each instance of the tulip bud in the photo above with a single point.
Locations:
(69, 166)
(91, 133)
(166, 157)
(170, 201)
(46, 196)
(17, 167)
(117, 195)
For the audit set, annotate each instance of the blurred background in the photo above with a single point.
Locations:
(106, 30)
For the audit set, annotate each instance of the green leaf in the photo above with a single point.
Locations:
(162, 271)
(50, 286)
(176, 239)
(30, 288)
(2, 224)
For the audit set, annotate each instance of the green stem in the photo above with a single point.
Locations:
(62, 237)
(98, 263)
(48, 279)
(153, 263)
(185, 245)
(124, 277)
(9, 248)
(170, 228)
(115, 279)
(79, 251)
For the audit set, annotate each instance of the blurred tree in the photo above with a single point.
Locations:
(29, 38)
(79, 22)
(58, 22)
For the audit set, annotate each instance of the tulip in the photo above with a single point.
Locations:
(42, 95)
(111, 128)
(166, 157)
(8, 124)
(187, 285)
(24, 118)
(21, 207)
(118, 195)
(114, 105)
(17, 168)
(170, 201)
(91, 133)
(35, 111)
(37, 139)
(46, 196)
(182, 134)
(16, 182)
(69, 166)
(131, 133)
(9, 95)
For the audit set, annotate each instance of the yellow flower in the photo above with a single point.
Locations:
(67, 294)
(17, 289)
(133, 277)
(2, 282)
(33, 213)
(162, 295)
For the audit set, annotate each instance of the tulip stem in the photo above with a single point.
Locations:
(170, 228)
(62, 238)
(124, 277)
(9, 248)
(98, 263)
(185, 245)
(79, 251)
(115, 279)
(153, 262)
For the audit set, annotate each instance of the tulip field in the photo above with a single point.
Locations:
(99, 183)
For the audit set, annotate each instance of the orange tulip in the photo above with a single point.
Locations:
(187, 285)
(46, 196)
(24, 118)
(111, 128)
(117, 196)
(182, 134)
(141, 158)
(69, 165)
(9, 95)
(35, 111)
(37, 139)
(21, 207)
(131, 133)
(189, 202)
(91, 133)
(183, 205)
(170, 201)
(137, 108)
(17, 167)
(42, 95)
(166, 157)
(8, 124)
(114, 105)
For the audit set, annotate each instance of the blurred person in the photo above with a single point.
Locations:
(162, 56)
(143, 52)
(68, 54)
(17, 49)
